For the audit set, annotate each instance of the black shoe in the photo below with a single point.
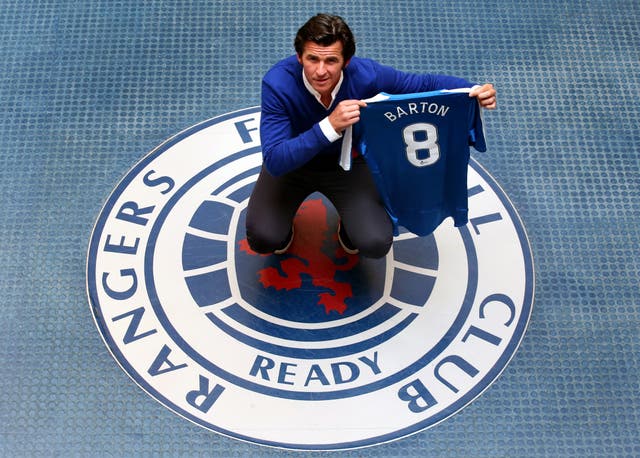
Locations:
(286, 245)
(345, 241)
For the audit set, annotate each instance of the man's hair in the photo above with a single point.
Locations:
(325, 30)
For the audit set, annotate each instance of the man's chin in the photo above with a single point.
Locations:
(321, 85)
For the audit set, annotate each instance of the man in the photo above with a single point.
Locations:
(308, 100)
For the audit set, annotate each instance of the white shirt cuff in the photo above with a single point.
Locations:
(328, 130)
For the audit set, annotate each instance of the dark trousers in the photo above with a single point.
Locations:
(275, 200)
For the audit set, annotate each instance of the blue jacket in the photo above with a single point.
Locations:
(289, 127)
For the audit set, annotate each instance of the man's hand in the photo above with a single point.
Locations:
(346, 114)
(486, 95)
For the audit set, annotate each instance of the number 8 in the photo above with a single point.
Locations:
(430, 143)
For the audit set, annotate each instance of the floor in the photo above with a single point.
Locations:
(88, 88)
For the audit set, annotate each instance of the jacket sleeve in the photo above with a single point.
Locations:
(283, 150)
(395, 81)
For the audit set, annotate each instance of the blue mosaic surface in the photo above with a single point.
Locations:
(87, 88)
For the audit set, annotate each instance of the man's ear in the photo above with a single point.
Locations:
(299, 58)
(346, 63)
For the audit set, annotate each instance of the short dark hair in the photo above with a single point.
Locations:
(326, 29)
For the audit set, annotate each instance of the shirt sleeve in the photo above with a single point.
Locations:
(328, 130)
(476, 130)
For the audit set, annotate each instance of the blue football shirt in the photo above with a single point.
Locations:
(417, 147)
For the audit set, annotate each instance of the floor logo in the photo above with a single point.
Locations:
(314, 349)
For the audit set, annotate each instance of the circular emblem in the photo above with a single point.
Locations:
(314, 349)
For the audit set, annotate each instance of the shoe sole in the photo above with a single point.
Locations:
(344, 247)
(284, 250)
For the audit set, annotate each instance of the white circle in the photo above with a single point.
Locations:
(404, 373)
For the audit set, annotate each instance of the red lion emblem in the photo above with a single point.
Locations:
(305, 256)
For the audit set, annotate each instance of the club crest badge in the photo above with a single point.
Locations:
(314, 349)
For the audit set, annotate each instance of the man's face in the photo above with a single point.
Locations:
(322, 65)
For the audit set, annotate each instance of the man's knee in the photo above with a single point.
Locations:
(259, 241)
(263, 241)
(375, 245)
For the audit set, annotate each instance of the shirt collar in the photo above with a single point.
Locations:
(316, 94)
